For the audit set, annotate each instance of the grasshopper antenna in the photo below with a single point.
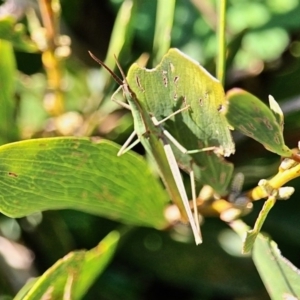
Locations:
(114, 75)
(120, 69)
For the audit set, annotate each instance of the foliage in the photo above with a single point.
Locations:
(63, 187)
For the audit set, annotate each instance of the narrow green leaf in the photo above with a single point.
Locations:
(16, 34)
(71, 276)
(76, 173)
(8, 128)
(95, 263)
(253, 233)
(25, 289)
(163, 27)
(119, 46)
(122, 33)
(253, 118)
(281, 278)
(179, 81)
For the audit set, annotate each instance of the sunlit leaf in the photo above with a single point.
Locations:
(253, 118)
(76, 173)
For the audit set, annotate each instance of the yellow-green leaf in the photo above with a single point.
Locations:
(76, 173)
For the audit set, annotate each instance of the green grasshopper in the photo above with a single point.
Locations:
(178, 80)
(151, 134)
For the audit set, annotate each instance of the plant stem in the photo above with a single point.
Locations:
(50, 13)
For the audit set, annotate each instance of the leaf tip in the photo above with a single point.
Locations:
(274, 106)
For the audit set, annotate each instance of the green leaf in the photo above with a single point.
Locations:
(8, 128)
(253, 233)
(163, 26)
(16, 34)
(71, 276)
(280, 277)
(122, 33)
(26, 288)
(179, 81)
(274, 106)
(253, 118)
(76, 173)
